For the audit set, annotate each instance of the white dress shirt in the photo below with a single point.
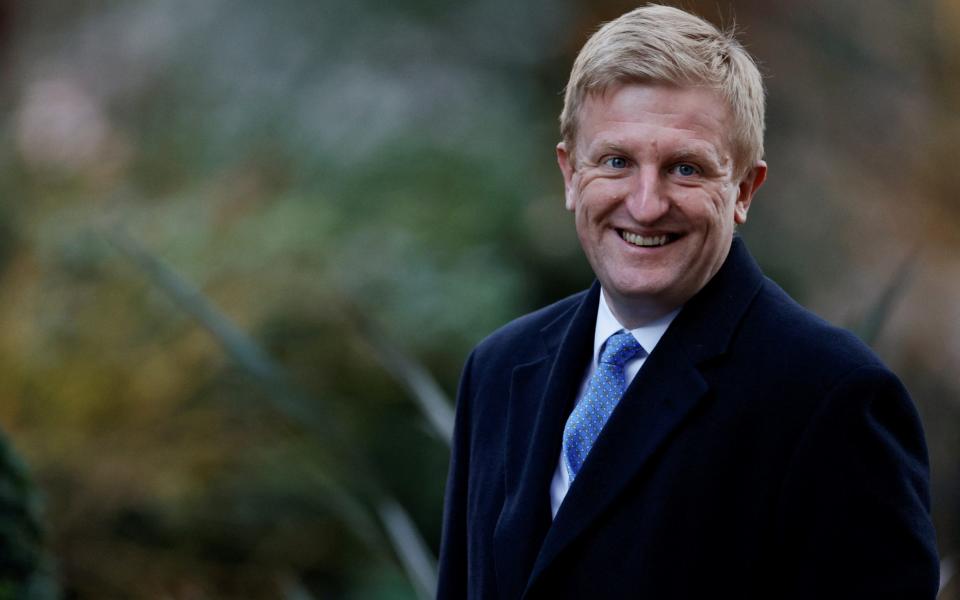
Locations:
(607, 324)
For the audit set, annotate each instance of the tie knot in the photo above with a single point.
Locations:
(619, 348)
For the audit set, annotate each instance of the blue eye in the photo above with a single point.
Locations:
(616, 162)
(686, 170)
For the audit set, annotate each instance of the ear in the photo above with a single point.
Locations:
(565, 160)
(747, 187)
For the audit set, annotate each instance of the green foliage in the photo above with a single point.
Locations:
(25, 567)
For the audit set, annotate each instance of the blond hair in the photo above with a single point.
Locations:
(661, 44)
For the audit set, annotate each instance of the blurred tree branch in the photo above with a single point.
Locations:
(411, 374)
(878, 314)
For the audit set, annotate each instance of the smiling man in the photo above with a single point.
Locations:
(682, 429)
(650, 174)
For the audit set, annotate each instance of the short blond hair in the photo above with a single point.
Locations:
(662, 44)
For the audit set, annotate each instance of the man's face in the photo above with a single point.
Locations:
(655, 193)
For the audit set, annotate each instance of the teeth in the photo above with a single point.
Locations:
(639, 240)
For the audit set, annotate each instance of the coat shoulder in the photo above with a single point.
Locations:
(521, 339)
(789, 335)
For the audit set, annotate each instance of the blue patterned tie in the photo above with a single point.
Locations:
(600, 398)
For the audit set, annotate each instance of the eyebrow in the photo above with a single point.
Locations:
(686, 154)
(609, 147)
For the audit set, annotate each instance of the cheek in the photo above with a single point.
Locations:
(601, 195)
(721, 204)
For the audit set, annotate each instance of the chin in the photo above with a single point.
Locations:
(646, 289)
(646, 294)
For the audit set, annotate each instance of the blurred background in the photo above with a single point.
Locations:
(246, 246)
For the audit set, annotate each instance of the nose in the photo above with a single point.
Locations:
(646, 202)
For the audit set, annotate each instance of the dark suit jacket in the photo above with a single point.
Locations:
(759, 453)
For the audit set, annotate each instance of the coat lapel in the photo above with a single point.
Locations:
(541, 395)
(667, 390)
(655, 405)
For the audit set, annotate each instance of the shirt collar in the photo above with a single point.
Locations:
(607, 324)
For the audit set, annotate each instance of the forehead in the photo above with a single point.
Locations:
(636, 113)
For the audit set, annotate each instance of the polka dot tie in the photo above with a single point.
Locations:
(603, 392)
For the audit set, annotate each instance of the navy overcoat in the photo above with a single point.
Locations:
(760, 453)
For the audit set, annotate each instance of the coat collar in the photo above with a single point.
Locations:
(655, 405)
(707, 323)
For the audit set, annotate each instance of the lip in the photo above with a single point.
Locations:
(646, 241)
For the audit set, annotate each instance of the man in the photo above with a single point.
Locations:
(682, 429)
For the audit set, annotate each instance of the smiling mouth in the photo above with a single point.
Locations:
(653, 241)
